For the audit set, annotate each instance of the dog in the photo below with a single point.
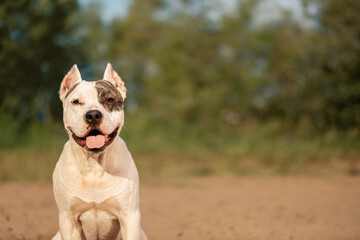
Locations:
(95, 181)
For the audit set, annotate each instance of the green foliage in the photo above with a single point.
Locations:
(208, 94)
(35, 46)
(187, 68)
(319, 73)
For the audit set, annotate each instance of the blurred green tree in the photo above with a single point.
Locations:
(131, 46)
(318, 80)
(185, 67)
(37, 44)
(335, 59)
(182, 67)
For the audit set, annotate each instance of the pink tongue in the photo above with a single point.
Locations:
(95, 141)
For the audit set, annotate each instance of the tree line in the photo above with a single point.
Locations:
(182, 67)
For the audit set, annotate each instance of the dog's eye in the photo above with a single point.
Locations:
(75, 101)
(110, 100)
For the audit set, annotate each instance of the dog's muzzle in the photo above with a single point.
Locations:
(95, 140)
(93, 117)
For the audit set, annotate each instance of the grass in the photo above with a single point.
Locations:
(187, 151)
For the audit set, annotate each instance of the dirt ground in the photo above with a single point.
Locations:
(210, 208)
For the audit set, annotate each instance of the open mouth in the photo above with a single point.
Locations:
(95, 140)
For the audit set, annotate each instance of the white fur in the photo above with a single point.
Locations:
(95, 192)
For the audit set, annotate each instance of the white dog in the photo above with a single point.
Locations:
(96, 183)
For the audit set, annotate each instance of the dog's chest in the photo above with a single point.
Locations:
(97, 220)
(90, 187)
(95, 180)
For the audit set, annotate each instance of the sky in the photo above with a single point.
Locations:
(110, 9)
(271, 9)
(268, 10)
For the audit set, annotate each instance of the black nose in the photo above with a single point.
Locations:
(93, 117)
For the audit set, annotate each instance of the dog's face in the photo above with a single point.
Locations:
(93, 111)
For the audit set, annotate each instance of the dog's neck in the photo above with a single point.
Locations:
(88, 162)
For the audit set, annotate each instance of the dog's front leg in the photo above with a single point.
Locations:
(68, 228)
(131, 226)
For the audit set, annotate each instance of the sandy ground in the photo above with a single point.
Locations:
(210, 208)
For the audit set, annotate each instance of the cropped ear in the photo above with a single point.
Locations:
(114, 78)
(69, 81)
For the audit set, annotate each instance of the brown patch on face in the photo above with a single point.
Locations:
(109, 96)
(70, 90)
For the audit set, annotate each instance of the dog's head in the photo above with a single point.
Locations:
(93, 111)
